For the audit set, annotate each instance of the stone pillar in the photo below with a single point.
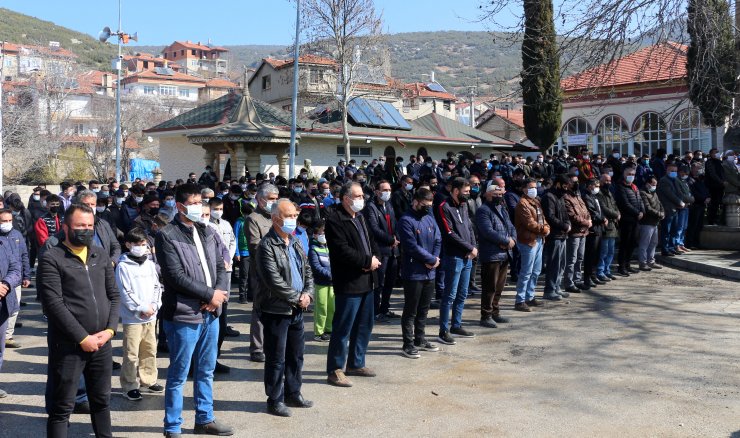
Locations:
(254, 161)
(668, 143)
(238, 160)
(209, 155)
(630, 146)
(282, 159)
(732, 210)
(157, 174)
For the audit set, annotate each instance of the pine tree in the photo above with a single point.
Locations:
(540, 74)
(711, 61)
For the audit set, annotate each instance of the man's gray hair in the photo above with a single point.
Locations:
(346, 188)
(84, 195)
(207, 191)
(276, 206)
(267, 189)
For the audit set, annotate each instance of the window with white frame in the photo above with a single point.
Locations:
(150, 89)
(167, 90)
(78, 129)
(356, 151)
(613, 134)
(689, 133)
(651, 134)
(576, 133)
(184, 92)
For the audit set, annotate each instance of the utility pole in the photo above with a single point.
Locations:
(294, 115)
(2, 66)
(119, 62)
(471, 95)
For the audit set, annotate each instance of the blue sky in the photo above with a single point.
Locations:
(233, 21)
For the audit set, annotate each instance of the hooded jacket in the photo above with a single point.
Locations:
(138, 284)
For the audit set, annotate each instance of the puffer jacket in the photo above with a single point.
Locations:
(17, 245)
(276, 295)
(654, 211)
(457, 229)
(577, 213)
(628, 202)
(669, 194)
(610, 210)
(318, 258)
(185, 287)
(556, 214)
(597, 214)
(530, 222)
(421, 244)
(10, 273)
(494, 230)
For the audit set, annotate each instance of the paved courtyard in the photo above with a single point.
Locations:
(657, 354)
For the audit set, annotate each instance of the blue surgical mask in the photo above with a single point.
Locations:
(672, 174)
(576, 172)
(475, 189)
(289, 225)
(629, 178)
(298, 189)
(169, 203)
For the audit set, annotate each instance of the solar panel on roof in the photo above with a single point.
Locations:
(433, 86)
(164, 71)
(373, 113)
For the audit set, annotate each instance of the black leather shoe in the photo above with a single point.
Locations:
(595, 280)
(257, 357)
(488, 322)
(623, 273)
(611, 277)
(278, 409)
(632, 270)
(213, 428)
(586, 286)
(172, 435)
(573, 290)
(230, 332)
(222, 369)
(500, 319)
(552, 297)
(298, 401)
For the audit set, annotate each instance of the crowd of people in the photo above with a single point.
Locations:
(160, 258)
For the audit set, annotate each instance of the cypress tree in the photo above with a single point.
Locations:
(540, 74)
(711, 61)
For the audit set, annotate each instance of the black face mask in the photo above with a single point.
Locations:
(81, 237)
(464, 198)
(424, 210)
(53, 210)
(154, 211)
(314, 192)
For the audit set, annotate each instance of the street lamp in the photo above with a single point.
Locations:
(123, 38)
(294, 113)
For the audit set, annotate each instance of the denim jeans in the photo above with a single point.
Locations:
(682, 223)
(575, 248)
(354, 317)
(531, 265)
(668, 231)
(457, 280)
(198, 342)
(606, 256)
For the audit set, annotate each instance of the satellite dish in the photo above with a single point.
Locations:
(104, 34)
(135, 36)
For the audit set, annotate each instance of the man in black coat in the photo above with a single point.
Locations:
(556, 216)
(80, 328)
(715, 182)
(353, 254)
(382, 222)
(631, 210)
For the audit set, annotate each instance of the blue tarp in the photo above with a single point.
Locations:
(142, 169)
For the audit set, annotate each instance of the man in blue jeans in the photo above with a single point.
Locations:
(194, 281)
(531, 230)
(460, 249)
(353, 255)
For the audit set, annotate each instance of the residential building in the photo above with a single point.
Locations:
(422, 98)
(22, 60)
(164, 83)
(146, 61)
(636, 104)
(505, 123)
(206, 61)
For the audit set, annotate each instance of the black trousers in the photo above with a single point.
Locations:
(222, 325)
(417, 297)
(591, 256)
(67, 362)
(386, 278)
(283, 347)
(245, 292)
(696, 224)
(627, 242)
(715, 205)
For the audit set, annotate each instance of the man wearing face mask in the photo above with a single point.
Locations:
(195, 282)
(67, 194)
(353, 256)
(286, 290)
(15, 243)
(580, 221)
(731, 174)
(257, 225)
(103, 235)
(593, 239)
(643, 171)
(611, 213)
(460, 249)
(648, 231)
(382, 222)
(631, 210)
(715, 180)
(80, 328)
(149, 209)
(670, 194)
(401, 199)
(50, 223)
(556, 214)
(475, 201)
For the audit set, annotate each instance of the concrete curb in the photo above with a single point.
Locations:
(699, 267)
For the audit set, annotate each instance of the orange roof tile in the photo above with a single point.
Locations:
(221, 83)
(18, 48)
(659, 63)
(151, 74)
(277, 64)
(420, 89)
(199, 46)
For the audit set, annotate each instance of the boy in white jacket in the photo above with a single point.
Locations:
(141, 298)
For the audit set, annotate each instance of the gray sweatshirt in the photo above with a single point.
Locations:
(140, 288)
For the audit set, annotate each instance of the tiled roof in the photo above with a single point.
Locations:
(221, 83)
(198, 46)
(152, 75)
(515, 117)
(144, 57)
(420, 89)
(91, 80)
(659, 63)
(19, 48)
(278, 64)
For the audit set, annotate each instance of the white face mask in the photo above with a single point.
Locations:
(119, 201)
(268, 206)
(36, 197)
(616, 155)
(532, 193)
(216, 214)
(138, 199)
(5, 227)
(193, 212)
(139, 250)
(321, 238)
(326, 192)
(595, 190)
(409, 187)
(100, 209)
(385, 196)
(358, 205)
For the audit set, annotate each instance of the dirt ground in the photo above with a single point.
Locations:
(655, 355)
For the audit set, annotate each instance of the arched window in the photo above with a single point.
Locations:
(689, 133)
(613, 133)
(650, 134)
(575, 134)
